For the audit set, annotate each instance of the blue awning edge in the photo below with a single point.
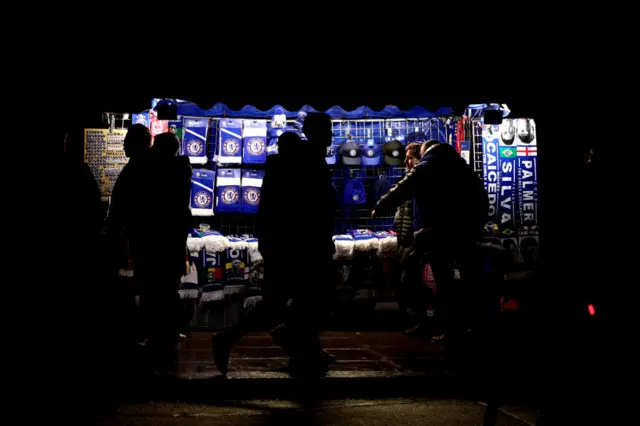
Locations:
(186, 108)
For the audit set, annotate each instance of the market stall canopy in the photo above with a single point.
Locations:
(186, 108)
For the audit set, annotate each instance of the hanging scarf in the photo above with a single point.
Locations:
(490, 155)
(254, 274)
(235, 263)
(189, 283)
(213, 285)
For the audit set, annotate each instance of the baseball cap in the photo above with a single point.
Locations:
(393, 153)
(331, 158)
(372, 154)
(354, 192)
(350, 152)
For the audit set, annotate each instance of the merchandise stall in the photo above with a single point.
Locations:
(228, 149)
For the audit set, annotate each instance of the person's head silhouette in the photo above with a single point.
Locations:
(137, 141)
(429, 145)
(318, 129)
(166, 145)
(288, 143)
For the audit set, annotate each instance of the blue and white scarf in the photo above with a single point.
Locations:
(527, 162)
(195, 140)
(235, 263)
(490, 169)
(213, 285)
(189, 284)
(507, 193)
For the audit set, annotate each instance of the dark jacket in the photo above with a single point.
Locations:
(450, 196)
(297, 201)
(120, 208)
(403, 224)
(150, 203)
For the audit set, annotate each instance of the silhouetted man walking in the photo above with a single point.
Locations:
(291, 205)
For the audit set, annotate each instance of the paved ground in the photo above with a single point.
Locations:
(359, 355)
(393, 378)
(279, 412)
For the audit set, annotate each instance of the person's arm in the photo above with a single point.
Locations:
(402, 191)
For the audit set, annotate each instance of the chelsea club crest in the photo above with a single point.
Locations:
(231, 146)
(229, 195)
(202, 199)
(251, 196)
(256, 146)
(194, 147)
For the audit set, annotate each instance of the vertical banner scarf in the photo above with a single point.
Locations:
(527, 159)
(490, 169)
(507, 187)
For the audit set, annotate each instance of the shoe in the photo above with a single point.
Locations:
(221, 347)
(281, 338)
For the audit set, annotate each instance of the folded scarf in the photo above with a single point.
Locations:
(345, 246)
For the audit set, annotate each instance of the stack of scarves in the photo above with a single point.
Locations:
(219, 267)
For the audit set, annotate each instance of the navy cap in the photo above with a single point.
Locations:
(350, 152)
(372, 155)
(393, 153)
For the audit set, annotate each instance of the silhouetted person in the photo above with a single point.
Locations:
(163, 203)
(412, 292)
(124, 219)
(165, 145)
(150, 203)
(453, 209)
(314, 212)
(292, 208)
